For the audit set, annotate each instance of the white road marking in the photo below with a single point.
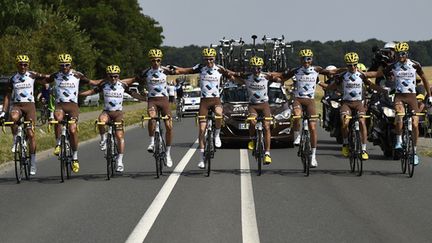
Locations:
(248, 217)
(146, 222)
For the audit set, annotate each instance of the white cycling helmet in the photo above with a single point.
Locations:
(390, 45)
(331, 67)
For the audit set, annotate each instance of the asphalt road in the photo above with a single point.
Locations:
(232, 205)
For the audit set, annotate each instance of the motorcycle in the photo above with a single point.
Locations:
(331, 115)
(382, 129)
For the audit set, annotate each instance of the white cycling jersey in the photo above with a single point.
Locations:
(405, 77)
(22, 86)
(352, 84)
(113, 94)
(66, 86)
(257, 87)
(156, 80)
(210, 79)
(306, 81)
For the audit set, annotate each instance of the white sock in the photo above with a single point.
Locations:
(75, 155)
(267, 153)
(33, 159)
(313, 152)
(364, 147)
(103, 137)
(217, 132)
(399, 139)
(151, 139)
(415, 149)
(202, 154)
(120, 158)
(58, 141)
(345, 141)
(168, 149)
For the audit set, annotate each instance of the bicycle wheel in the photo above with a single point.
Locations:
(208, 152)
(156, 154)
(307, 153)
(19, 167)
(403, 156)
(63, 158)
(410, 155)
(260, 151)
(352, 155)
(114, 156)
(44, 116)
(25, 160)
(68, 160)
(109, 156)
(358, 152)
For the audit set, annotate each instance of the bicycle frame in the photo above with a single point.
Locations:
(355, 155)
(305, 150)
(259, 148)
(111, 151)
(209, 141)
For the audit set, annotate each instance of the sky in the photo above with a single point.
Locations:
(203, 22)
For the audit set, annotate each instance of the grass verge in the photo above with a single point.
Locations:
(45, 140)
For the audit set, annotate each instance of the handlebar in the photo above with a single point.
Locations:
(63, 122)
(147, 118)
(11, 123)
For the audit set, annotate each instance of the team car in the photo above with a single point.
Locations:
(235, 108)
(191, 101)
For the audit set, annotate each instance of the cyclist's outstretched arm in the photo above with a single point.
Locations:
(129, 81)
(180, 70)
(423, 77)
(87, 92)
(237, 78)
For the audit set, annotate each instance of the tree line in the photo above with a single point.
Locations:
(96, 33)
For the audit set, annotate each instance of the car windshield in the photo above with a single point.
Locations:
(238, 94)
(192, 94)
(276, 96)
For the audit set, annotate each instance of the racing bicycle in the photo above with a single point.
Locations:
(259, 150)
(305, 149)
(111, 151)
(209, 140)
(354, 143)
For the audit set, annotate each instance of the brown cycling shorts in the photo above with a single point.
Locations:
(208, 103)
(116, 116)
(409, 99)
(348, 106)
(159, 104)
(308, 104)
(259, 109)
(26, 109)
(68, 108)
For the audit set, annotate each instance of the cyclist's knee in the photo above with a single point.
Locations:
(218, 110)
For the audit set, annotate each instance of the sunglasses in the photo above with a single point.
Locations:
(307, 59)
(402, 53)
(351, 65)
(114, 76)
(256, 68)
(156, 60)
(209, 59)
(23, 64)
(65, 65)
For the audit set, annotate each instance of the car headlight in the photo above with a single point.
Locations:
(389, 112)
(284, 115)
(335, 104)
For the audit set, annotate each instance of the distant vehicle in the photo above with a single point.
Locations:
(235, 102)
(191, 101)
(91, 100)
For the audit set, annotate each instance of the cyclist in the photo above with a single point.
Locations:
(257, 84)
(113, 90)
(171, 93)
(352, 82)
(210, 76)
(404, 73)
(306, 80)
(20, 91)
(66, 84)
(155, 78)
(45, 98)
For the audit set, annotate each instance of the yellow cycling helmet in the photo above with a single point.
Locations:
(256, 61)
(112, 69)
(22, 58)
(155, 53)
(362, 67)
(64, 58)
(420, 97)
(401, 47)
(306, 53)
(209, 52)
(351, 58)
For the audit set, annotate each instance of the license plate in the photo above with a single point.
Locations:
(244, 126)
